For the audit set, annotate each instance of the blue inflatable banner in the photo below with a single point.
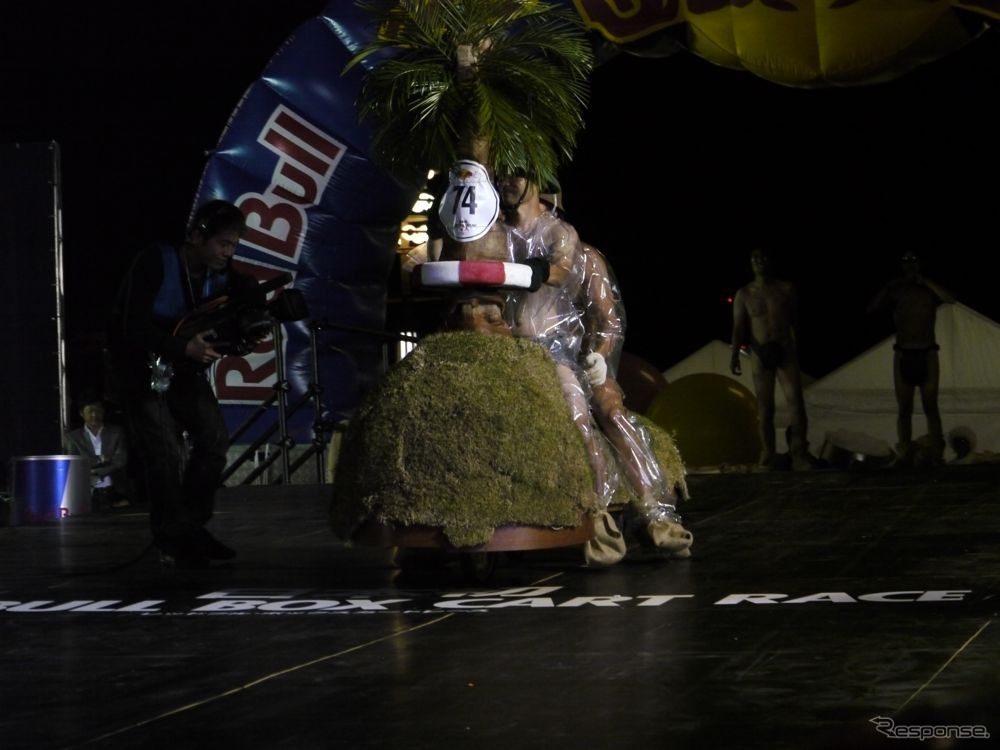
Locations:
(294, 158)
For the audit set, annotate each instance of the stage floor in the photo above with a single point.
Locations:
(829, 609)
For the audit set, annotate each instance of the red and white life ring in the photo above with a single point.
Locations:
(481, 273)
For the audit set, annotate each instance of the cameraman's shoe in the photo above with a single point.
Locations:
(211, 547)
(183, 555)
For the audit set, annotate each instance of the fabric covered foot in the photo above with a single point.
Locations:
(656, 534)
(607, 546)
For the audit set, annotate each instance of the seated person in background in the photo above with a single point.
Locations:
(104, 445)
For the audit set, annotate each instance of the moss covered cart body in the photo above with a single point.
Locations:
(467, 444)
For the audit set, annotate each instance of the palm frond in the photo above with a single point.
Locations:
(526, 97)
(403, 26)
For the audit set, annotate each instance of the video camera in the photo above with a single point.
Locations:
(242, 318)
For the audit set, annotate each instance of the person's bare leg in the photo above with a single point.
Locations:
(929, 402)
(579, 408)
(798, 444)
(661, 524)
(763, 382)
(641, 469)
(904, 404)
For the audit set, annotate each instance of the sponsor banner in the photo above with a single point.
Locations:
(294, 158)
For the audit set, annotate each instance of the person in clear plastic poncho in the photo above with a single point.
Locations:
(654, 520)
(578, 316)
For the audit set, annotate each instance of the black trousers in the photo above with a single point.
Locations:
(178, 442)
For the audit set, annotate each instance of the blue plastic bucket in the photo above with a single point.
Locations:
(49, 488)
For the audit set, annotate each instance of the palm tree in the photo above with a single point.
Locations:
(502, 82)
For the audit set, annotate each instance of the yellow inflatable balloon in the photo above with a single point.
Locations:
(808, 43)
(712, 418)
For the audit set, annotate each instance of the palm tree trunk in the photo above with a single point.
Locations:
(475, 310)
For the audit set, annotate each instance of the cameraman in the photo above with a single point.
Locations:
(162, 383)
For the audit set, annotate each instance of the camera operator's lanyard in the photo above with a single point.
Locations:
(191, 278)
(208, 283)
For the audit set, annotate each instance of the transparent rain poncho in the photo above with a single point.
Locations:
(549, 316)
(600, 303)
(579, 317)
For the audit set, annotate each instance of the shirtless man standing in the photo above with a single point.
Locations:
(764, 311)
(913, 300)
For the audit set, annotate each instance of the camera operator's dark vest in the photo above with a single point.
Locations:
(172, 301)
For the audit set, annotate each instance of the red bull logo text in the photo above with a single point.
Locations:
(277, 225)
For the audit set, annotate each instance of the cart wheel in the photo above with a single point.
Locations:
(478, 567)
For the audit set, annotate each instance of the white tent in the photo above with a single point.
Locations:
(859, 397)
(712, 357)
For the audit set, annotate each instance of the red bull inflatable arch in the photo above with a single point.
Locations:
(296, 159)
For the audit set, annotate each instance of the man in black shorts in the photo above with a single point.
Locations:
(913, 300)
(764, 314)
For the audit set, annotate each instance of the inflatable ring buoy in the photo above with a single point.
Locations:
(479, 273)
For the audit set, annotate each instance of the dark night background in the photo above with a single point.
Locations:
(682, 168)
